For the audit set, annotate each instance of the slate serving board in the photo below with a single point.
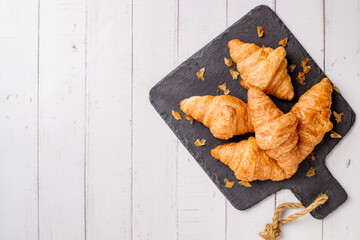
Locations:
(182, 83)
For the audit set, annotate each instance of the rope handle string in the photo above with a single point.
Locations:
(272, 231)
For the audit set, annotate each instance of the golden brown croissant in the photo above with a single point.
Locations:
(275, 132)
(262, 67)
(248, 161)
(225, 115)
(313, 111)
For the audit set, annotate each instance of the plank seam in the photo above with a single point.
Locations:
(38, 125)
(86, 123)
(132, 124)
(324, 29)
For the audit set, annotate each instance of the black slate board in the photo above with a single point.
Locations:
(182, 83)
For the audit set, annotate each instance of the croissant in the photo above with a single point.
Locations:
(225, 115)
(275, 132)
(248, 161)
(262, 67)
(313, 111)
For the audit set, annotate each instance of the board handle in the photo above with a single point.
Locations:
(309, 188)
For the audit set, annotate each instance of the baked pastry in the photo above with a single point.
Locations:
(262, 67)
(275, 132)
(225, 115)
(313, 110)
(248, 161)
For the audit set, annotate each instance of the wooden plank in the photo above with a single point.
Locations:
(18, 119)
(154, 145)
(342, 61)
(247, 224)
(306, 23)
(201, 214)
(62, 119)
(108, 166)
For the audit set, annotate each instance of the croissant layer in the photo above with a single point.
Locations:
(248, 161)
(262, 67)
(313, 110)
(225, 116)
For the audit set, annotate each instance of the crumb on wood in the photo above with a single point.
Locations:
(311, 172)
(188, 117)
(200, 74)
(334, 134)
(228, 62)
(260, 31)
(338, 116)
(200, 142)
(245, 183)
(292, 67)
(228, 184)
(234, 74)
(176, 115)
(283, 42)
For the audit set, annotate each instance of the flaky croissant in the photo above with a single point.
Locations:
(275, 132)
(262, 67)
(225, 115)
(313, 110)
(248, 161)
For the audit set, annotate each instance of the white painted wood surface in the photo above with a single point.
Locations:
(83, 154)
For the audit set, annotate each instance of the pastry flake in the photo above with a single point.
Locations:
(176, 115)
(306, 69)
(283, 42)
(228, 184)
(228, 62)
(312, 156)
(224, 89)
(245, 183)
(336, 89)
(234, 74)
(291, 68)
(188, 117)
(225, 115)
(338, 116)
(262, 67)
(334, 134)
(200, 74)
(200, 142)
(311, 172)
(260, 31)
(300, 78)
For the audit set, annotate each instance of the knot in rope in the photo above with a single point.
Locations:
(272, 231)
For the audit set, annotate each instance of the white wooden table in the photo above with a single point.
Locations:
(83, 155)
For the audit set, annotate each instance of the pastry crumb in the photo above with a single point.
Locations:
(176, 115)
(291, 68)
(306, 69)
(283, 42)
(300, 78)
(245, 183)
(338, 116)
(200, 74)
(228, 184)
(234, 74)
(336, 89)
(311, 172)
(260, 31)
(312, 156)
(228, 62)
(214, 194)
(188, 117)
(304, 62)
(334, 134)
(200, 142)
(224, 89)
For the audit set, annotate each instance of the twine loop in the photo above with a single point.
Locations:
(272, 231)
